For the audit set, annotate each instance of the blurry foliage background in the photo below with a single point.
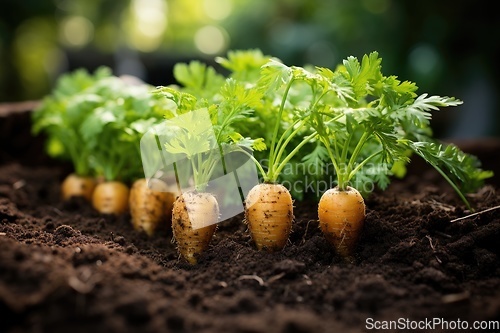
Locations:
(446, 47)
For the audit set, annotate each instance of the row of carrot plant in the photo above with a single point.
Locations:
(298, 121)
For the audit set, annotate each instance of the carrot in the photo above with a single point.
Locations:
(77, 186)
(269, 214)
(150, 206)
(194, 218)
(341, 217)
(111, 197)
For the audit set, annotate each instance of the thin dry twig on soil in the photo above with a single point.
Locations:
(19, 184)
(252, 277)
(442, 234)
(454, 298)
(275, 277)
(305, 232)
(308, 279)
(475, 214)
(57, 211)
(433, 247)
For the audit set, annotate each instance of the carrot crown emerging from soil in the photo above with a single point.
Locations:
(194, 218)
(364, 124)
(202, 131)
(269, 214)
(341, 214)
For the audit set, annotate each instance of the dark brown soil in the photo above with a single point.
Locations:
(66, 268)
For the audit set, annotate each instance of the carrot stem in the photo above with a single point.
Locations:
(289, 133)
(334, 161)
(357, 149)
(257, 163)
(292, 153)
(454, 186)
(277, 125)
(274, 172)
(360, 165)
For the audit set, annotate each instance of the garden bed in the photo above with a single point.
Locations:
(66, 268)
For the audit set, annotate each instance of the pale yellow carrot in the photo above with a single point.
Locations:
(78, 186)
(341, 218)
(194, 218)
(269, 215)
(150, 205)
(111, 197)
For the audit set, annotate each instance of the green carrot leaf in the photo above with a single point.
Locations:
(198, 79)
(244, 65)
(463, 169)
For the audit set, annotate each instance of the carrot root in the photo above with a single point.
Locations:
(341, 218)
(194, 218)
(78, 186)
(269, 215)
(111, 197)
(149, 207)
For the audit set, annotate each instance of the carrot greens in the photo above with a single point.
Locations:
(96, 121)
(202, 129)
(353, 119)
(113, 129)
(382, 119)
(61, 113)
(349, 126)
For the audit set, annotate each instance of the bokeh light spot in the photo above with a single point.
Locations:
(211, 39)
(423, 59)
(76, 31)
(147, 23)
(218, 9)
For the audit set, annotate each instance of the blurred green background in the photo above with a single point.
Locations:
(446, 47)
